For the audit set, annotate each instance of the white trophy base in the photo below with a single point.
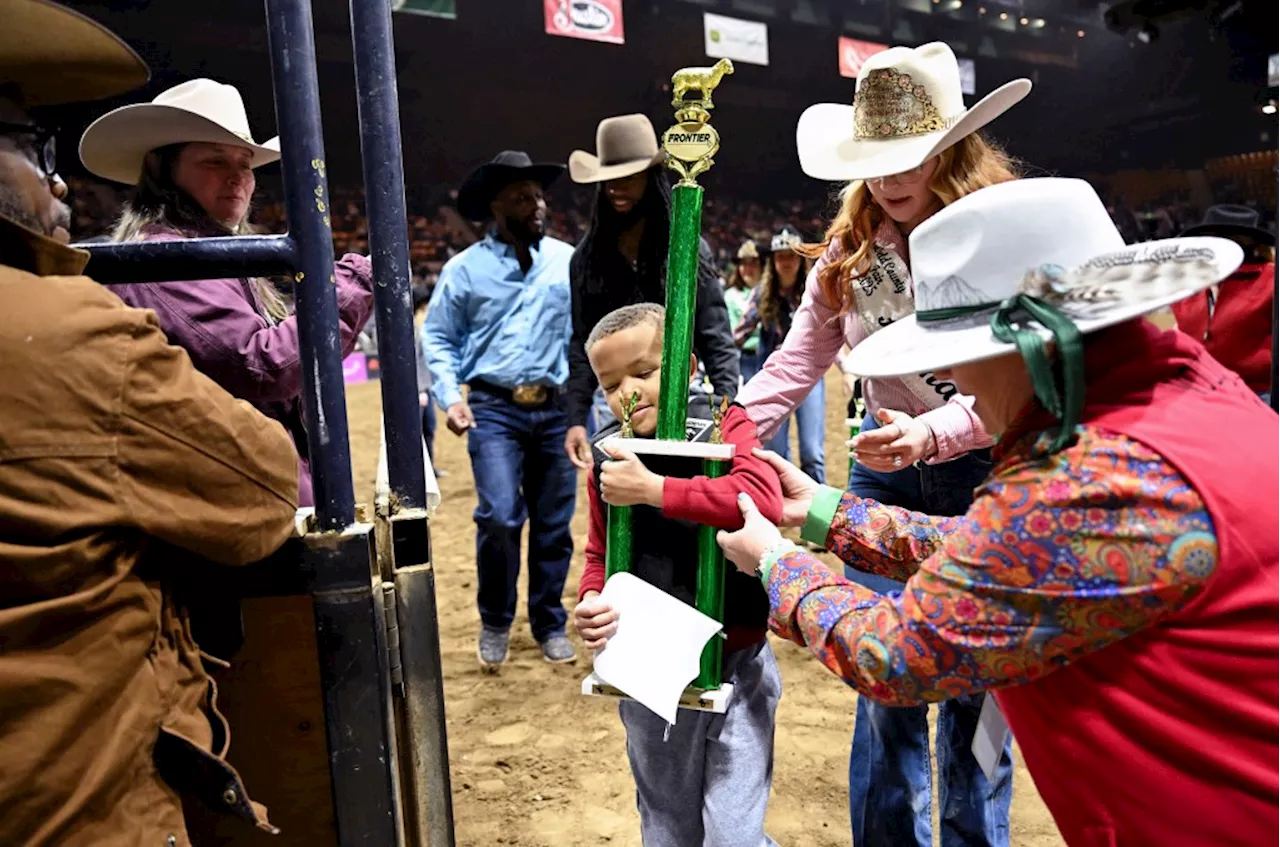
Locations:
(694, 699)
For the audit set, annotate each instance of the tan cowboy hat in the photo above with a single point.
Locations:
(115, 145)
(627, 145)
(907, 108)
(54, 55)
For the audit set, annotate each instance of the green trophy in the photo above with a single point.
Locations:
(690, 145)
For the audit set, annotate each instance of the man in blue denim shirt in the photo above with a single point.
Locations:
(499, 322)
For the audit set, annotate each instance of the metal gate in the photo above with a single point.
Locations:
(369, 575)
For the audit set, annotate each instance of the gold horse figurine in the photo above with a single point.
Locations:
(717, 418)
(627, 411)
(701, 80)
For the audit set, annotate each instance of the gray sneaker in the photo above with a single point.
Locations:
(558, 650)
(492, 649)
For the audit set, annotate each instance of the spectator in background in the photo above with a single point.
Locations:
(1233, 319)
(737, 293)
(769, 311)
(190, 157)
(622, 260)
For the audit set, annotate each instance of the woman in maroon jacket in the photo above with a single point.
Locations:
(190, 155)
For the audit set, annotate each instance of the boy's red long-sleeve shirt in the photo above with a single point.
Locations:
(712, 502)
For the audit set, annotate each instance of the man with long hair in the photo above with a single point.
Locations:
(622, 260)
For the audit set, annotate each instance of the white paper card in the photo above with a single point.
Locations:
(991, 736)
(655, 652)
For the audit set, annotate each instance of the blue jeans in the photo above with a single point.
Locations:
(810, 417)
(600, 415)
(890, 784)
(521, 472)
(749, 364)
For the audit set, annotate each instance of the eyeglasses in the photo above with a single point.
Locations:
(910, 176)
(44, 148)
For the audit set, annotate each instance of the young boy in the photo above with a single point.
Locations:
(708, 782)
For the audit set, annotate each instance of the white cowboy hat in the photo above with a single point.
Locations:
(1028, 255)
(626, 145)
(115, 145)
(907, 108)
(54, 55)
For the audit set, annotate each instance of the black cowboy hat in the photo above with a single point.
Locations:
(1231, 221)
(484, 183)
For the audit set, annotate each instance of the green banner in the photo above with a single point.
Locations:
(434, 8)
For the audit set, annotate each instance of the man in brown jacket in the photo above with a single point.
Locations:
(117, 462)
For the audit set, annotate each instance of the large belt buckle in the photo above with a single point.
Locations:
(529, 395)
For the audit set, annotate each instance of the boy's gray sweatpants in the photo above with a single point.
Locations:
(708, 783)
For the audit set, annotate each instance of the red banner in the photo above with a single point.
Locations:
(853, 53)
(594, 20)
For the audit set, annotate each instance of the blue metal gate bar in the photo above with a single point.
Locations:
(427, 795)
(379, 114)
(291, 42)
(205, 258)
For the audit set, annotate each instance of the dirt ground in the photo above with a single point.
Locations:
(535, 764)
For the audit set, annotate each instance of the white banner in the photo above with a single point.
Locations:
(968, 76)
(736, 39)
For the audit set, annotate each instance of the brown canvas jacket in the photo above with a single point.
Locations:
(117, 459)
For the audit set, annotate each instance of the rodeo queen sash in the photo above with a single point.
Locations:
(883, 295)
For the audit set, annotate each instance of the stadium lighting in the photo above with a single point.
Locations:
(1039, 23)
(1079, 33)
(1269, 109)
(1148, 33)
(956, 4)
(1024, 21)
(1004, 16)
(982, 10)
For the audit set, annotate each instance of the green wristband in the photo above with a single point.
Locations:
(822, 511)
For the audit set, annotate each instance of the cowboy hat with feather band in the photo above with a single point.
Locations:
(54, 55)
(116, 144)
(1016, 265)
(907, 108)
(626, 145)
(484, 183)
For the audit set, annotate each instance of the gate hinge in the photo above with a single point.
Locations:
(392, 622)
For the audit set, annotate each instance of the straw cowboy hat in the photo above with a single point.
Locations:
(484, 183)
(116, 144)
(1010, 266)
(54, 55)
(1231, 221)
(627, 145)
(907, 108)
(748, 250)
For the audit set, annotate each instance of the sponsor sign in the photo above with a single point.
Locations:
(593, 20)
(853, 53)
(736, 39)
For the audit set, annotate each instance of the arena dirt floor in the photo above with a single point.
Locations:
(535, 764)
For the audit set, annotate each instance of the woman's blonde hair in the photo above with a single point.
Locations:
(158, 202)
(971, 163)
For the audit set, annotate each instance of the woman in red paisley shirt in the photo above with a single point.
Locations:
(1115, 581)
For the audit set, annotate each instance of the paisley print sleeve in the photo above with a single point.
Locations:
(885, 540)
(1060, 556)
